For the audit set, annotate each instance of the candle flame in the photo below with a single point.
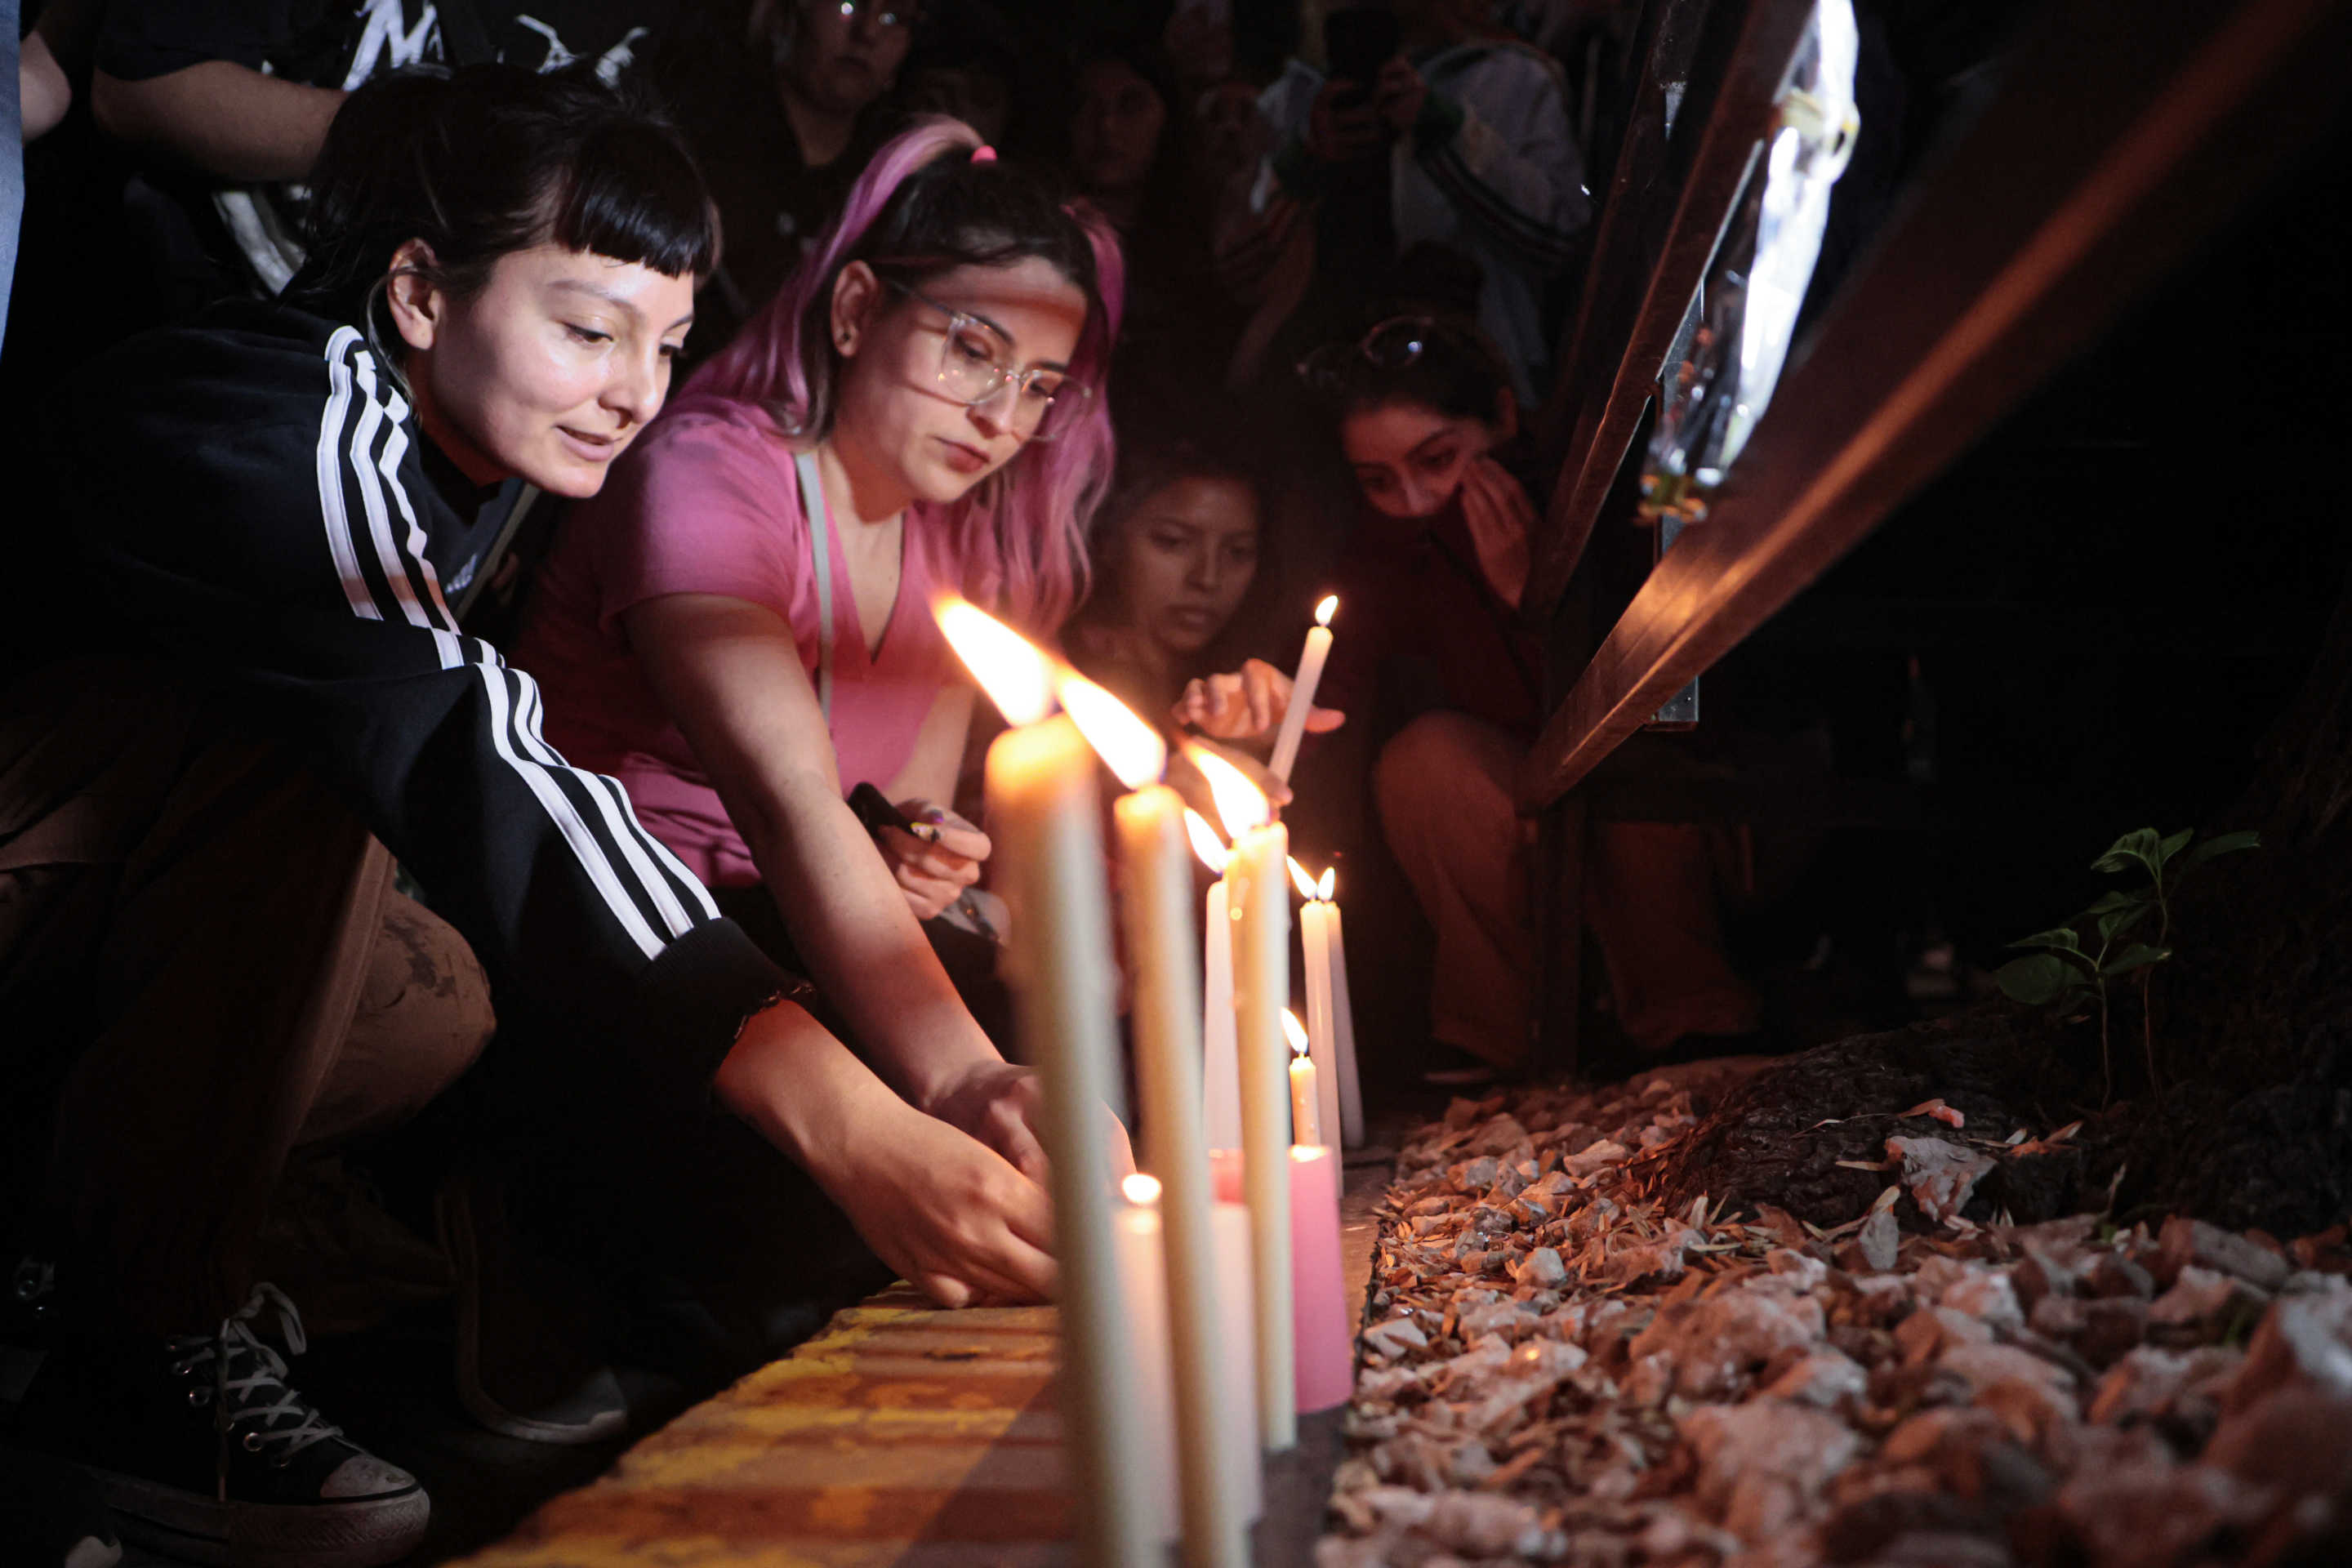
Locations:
(1298, 874)
(1016, 675)
(1142, 1190)
(1240, 803)
(1131, 748)
(1327, 609)
(1296, 1030)
(1205, 843)
(1328, 885)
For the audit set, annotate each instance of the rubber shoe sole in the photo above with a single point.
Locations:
(363, 1533)
(596, 1411)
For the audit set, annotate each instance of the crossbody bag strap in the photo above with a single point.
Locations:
(820, 557)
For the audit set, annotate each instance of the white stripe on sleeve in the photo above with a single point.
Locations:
(612, 804)
(557, 806)
(330, 477)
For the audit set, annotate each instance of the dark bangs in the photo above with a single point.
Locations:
(489, 160)
(635, 195)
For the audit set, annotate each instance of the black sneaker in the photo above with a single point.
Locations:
(203, 1451)
(532, 1335)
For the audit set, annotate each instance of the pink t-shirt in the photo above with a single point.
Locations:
(708, 503)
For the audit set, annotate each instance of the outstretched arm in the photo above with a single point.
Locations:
(728, 674)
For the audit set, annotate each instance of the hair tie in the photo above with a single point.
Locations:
(984, 154)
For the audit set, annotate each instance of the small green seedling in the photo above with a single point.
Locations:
(2070, 972)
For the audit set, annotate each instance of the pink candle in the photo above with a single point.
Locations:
(1324, 1370)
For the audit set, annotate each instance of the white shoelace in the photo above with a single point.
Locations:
(245, 1368)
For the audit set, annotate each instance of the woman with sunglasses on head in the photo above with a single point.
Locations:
(740, 627)
(1426, 417)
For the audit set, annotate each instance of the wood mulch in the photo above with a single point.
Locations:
(1571, 1359)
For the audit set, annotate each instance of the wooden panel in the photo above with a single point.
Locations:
(1668, 199)
(901, 1435)
(2126, 130)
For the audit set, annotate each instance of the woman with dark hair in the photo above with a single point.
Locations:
(740, 628)
(195, 832)
(1426, 417)
(1180, 550)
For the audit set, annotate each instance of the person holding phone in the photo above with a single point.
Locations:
(1471, 130)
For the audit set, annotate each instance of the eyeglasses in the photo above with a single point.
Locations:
(901, 15)
(1046, 403)
(1390, 345)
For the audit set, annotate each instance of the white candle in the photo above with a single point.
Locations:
(1306, 1112)
(1343, 1018)
(1314, 947)
(1142, 1260)
(1330, 1021)
(1302, 690)
(1229, 1223)
(1143, 1278)
(1261, 895)
(1044, 814)
(1155, 893)
(1223, 1087)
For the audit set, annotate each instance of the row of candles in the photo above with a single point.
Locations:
(1202, 1304)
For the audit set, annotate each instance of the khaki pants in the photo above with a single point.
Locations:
(1443, 788)
(203, 968)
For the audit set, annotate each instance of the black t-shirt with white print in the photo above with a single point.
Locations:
(342, 44)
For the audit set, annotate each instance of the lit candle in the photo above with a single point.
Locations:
(1155, 893)
(1223, 1090)
(1343, 1017)
(1302, 689)
(1143, 1261)
(1306, 1114)
(1044, 812)
(1323, 1370)
(1136, 1231)
(1331, 1020)
(1260, 899)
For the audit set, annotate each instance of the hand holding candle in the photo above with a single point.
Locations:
(1302, 689)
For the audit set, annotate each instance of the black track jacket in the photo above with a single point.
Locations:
(254, 495)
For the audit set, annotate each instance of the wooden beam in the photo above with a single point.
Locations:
(1658, 79)
(1668, 200)
(2127, 130)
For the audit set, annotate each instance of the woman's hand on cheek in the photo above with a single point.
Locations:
(1501, 521)
(936, 862)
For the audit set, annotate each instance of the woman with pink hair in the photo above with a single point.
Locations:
(740, 626)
